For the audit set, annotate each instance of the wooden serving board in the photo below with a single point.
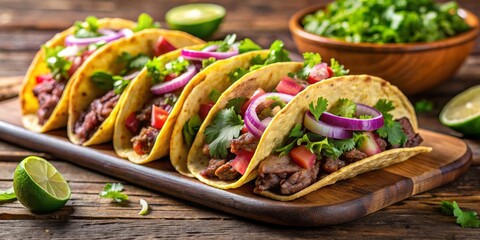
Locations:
(342, 202)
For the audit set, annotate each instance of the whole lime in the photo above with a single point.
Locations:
(39, 186)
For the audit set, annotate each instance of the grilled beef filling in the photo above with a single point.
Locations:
(48, 94)
(90, 120)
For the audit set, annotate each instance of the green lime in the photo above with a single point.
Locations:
(39, 186)
(462, 113)
(198, 19)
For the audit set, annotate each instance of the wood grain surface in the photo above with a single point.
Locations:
(26, 24)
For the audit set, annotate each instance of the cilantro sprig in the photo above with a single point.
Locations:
(114, 191)
(309, 61)
(58, 65)
(226, 126)
(131, 62)
(87, 29)
(190, 129)
(344, 107)
(158, 70)
(423, 106)
(392, 130)
(145, 21)
(7, 195)
(108, 81)
(318, 109)
(464, 218)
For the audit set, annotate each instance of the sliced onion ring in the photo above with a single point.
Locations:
(355, 124)
(252, 122)
(210, 48)
(195, 55)
(325, 129)
(109, 36)
(175, 83)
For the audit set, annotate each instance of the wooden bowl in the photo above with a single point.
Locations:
(413, 67)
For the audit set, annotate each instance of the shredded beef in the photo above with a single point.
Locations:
(299, 180)
(93, 117)
(277, 165)
(145, 140)
(226, 172)
(213, 165)
(48, 94)
(332, 165)
(246, 142)
(413, 139)
(269, 181)
(353, 155)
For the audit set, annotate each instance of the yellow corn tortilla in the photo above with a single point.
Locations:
(266, 78)
(29, 102)
(216, 77)
(361, 89)
(84, 91)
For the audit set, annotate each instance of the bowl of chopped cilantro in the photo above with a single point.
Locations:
(413, 44)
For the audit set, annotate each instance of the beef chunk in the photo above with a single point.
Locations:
(413, 139)
(277, 165)
(48, 94)
(353, 156)
(269, 181)
(382, 144)
(332, 165)
(143, 142)
(246, 142)
(95, 115)
(226, 172)
(213, 165)
(299, 180)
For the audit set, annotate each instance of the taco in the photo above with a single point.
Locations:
(228, 138)
(145, 122)
(205, 94)
(98, 89)
(46, 87)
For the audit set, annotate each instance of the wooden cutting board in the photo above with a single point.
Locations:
(342, 202)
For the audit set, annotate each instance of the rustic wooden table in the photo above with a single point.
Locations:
(26, 24)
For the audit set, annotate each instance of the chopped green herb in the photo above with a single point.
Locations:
(338, 69)
(344, 107)
(464, 218)
(391, 130)
(214, 95)
(237, 74)
(247, 45)
(145, 21)
(227, 43)
(236, 103)
(114, 191)
(310, 60)
(58, 66)
(277, 53)
(226, 126)
(190, 129)
(318, 109)
(87, 29)
(208, 62)
(108, 81)
(423, 106)
(157, 70)
(132, 63)
(7, 195)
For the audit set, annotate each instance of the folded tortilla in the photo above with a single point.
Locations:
(29, 102)
(84, 91)
(361, 89)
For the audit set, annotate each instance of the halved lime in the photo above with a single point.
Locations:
(198, 19)
(462, 113)
(39, 186)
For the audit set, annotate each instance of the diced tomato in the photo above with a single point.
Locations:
(162, 46)
(44, 78)
(169, 77)
(259, 92)
(159, 117)
(319, 72)
(288, 86)
(241, 161)
(138, 148)
(205, 109)
(244, 129)
(131, 123)
(303, 157)
(76, 63)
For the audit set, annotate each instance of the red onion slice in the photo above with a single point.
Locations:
(325, 129)
(131, 76)
(71, 40)
(195, 55)
(355, 124)
(175, 83)
(252, 122)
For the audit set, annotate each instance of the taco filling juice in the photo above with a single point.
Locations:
(233, 135)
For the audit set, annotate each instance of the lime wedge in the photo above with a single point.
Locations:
(198, 19)
(462, 113)
(39, 186)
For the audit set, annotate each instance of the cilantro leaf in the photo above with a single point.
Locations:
(247, 45)
(423, 106)
(114, 191)
(323, 147)
(257, 60)
(237, 74)
(277, 53)
(207, 62)
(464, 218)
(7, 195)
(226, 126)
(58, 65)
(131, 63)
(310, 60)
(157, 70)
(108, 81)
(287, 148)
(295, 133)
(236, 103)
(190, 129)
(87, 29)
(145, 21)
(392, 130)
(337, 68)
(227, 43)
(344, 107)
(214, 95)
(318, 109)
(343, 145)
